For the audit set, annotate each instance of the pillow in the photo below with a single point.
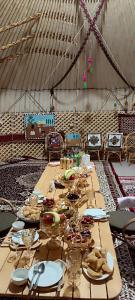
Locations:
(128, 201)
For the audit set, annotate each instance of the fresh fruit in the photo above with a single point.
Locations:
(48, 202)
(62, 218)
(48, 219)
(72, 196)
(52, 217)
(87, 220)
(68, 174)
(56, 217)
(72, 177)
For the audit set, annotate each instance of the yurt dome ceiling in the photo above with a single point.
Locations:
(40, 41)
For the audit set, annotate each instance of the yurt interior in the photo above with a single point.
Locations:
(67, 149)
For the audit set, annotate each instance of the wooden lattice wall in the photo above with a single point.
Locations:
(83, 122)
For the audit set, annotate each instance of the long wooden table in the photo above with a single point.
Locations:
(102, 237)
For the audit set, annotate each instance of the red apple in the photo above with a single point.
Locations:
(72, 177)
(62, 218)
(48, 219)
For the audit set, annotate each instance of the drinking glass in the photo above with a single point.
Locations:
(13, 257)
(74, 278)
(73, 260)
(28, 239)
(33, 200)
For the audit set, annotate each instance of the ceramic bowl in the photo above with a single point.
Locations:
(19, 276)
(18, 225)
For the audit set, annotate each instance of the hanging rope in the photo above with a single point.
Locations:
(102, 45)
(83, 44)
(19, 23)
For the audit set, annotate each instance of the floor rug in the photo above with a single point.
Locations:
(18, 180)
(126, 183)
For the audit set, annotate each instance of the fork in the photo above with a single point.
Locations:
(35, 271)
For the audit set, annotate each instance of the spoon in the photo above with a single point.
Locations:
(41, 269)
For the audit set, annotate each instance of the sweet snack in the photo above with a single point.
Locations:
(31, 212)
(96, 263)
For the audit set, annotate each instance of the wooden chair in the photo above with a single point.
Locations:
(6, 217)
(130, 147)
(94, 143)
(122, 222)
(54, 144)
(113, 145)
(73, 141)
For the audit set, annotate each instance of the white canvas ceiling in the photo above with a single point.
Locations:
(36, 53)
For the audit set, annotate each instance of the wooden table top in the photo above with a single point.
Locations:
(101, 235)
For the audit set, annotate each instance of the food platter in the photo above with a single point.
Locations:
(33, 217)
(102, 273)
(17, 237)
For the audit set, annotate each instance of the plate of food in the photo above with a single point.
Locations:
(29, 214)
(98, 264)
(96, 213)
(17, 237)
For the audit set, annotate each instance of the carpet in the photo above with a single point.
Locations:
(17, 180)
(126, 183)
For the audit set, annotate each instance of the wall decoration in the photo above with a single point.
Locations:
(89, 69)
(126, 123)
(38, 125)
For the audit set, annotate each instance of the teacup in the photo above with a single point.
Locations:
(19, 276)
(18, 225)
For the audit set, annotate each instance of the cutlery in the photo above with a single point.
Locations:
(41, 269)
(35, 271)
(59, 286)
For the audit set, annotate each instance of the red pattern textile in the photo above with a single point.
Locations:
(126, 123)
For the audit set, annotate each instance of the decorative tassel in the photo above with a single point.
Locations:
(85, 85)
(88, 69)
(84, 77)
(91, 70)
(90, 60)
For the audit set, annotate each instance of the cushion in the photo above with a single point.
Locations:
(128, 201)
(119, 218)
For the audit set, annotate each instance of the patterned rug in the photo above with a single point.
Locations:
(18, 180)
(126, 183)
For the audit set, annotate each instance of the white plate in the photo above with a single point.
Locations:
(16, 238)
(110, 263)
(52, 274)
(96, 213)
(39, 194)
(40, 201)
